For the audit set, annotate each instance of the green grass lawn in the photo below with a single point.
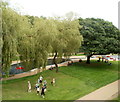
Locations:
(72, 82)
(118, 98)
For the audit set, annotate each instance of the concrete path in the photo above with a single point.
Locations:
(107, 92)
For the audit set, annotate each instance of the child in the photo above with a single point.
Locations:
(29, 86)
(38, 80)
(45, 82)
(43, 92)
(41, 78)
(45, 85)
(38, 90)
(36, 85)
(53, 82)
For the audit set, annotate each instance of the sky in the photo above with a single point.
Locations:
(105, 9)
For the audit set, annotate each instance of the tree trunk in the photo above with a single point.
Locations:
(54, 61)
(88, 59)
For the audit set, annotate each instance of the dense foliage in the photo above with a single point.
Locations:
(10, 29)
(100, 37)
(32, 39)
(67, 39)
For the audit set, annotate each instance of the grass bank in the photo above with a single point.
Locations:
(72, 82)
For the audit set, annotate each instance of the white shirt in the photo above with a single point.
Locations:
(41, 78)
(38, 89)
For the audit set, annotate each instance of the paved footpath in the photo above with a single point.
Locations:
(107, 92)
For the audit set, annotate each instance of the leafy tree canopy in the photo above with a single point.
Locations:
(100, 37)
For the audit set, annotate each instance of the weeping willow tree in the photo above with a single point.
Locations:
(1, 43)
(67, 39)
(10, 29)
(33, 38)
(34, 42)
(25, 45)
(44, 30)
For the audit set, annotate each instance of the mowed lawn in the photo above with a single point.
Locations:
(72, 82)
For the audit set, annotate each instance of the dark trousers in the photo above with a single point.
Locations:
(42, 93)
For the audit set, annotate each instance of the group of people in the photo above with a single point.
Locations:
(41, 86)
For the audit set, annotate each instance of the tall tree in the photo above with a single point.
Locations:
(67, 39)
(10, 29)
(34, 42)
(33, 38)
(100, 37)
(25, 45)
(44, 30)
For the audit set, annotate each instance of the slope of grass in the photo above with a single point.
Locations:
(72, 82)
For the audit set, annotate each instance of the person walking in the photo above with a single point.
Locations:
(36, 85)
(29, 86)
(43, 91)
(40, 79)
(45, 85)
(38, 90)
(53, 82)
